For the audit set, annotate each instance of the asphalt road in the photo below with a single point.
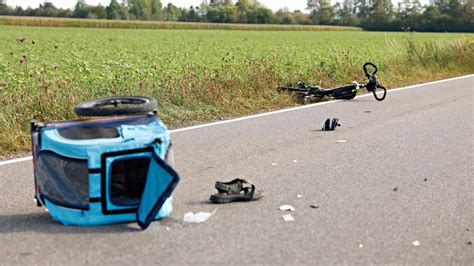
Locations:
(418, 134)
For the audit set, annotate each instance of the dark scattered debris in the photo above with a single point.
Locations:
(22, 39)
(469, 243)
(367, 112)
(395, 189)
(467, 229)
(32, 42)
(426, 179)
(314, 206)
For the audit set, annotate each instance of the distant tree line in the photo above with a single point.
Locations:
(409, 15)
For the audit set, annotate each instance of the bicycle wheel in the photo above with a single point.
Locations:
(121, 105)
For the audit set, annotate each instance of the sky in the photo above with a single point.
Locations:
(273, 4)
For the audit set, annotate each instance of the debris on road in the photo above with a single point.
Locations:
(341, 141)
(314, 206)
(416, 243)
(469, 243)
(235, 190)
(197, 218)
(274, 164)
(331, 124)
(287, 208)
(426, 179)
(395, 189)
(295, 161)
(367, 112)
(299, 196)
(288, 218)
(361, 245)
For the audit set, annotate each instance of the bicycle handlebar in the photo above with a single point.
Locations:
(366, 71)
(373, 83)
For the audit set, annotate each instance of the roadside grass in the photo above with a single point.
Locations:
(129, 24)
(199, 76)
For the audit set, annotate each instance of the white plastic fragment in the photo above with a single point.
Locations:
(273, 164)
(416, 243)
(288, 218)
(197, 218)
(295, 161)
(341, 141)
(361, 245)
(299, 196)
(287, 208)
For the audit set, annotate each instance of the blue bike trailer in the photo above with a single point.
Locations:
(104, 171)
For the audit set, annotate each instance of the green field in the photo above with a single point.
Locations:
(199, 75)
(135, 24)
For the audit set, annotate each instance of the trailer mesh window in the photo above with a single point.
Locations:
(63, 180)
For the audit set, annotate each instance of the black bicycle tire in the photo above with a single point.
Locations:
(136, 105)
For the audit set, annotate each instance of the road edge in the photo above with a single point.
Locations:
(243, 118)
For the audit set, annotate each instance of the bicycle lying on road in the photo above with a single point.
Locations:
(346, 92)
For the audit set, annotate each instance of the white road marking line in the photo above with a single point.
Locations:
(16, 160)
(275, 112)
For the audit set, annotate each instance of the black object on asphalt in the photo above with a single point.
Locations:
(395, 189)
(331, 124)
(235, 190)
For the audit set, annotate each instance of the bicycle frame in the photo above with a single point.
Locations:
(346, 92)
